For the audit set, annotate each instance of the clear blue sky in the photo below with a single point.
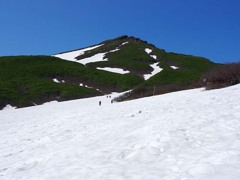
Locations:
(208, 28)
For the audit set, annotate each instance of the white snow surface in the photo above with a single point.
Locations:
(156, 69)
(186, 135)
(147, 50)
(115, 70)
(95, 58)
(117, 49)
(154, 56)
(73, 54)
(124, 43)
(174, 67)
(56, 80)
(9, 107)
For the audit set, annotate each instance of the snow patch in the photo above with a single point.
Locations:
(174, 67)
(154, 56)
(148, 51)
(156, 69)
(117, 49)
(55, 80)
(115, 70)
(95, 58)
(73, 54)
(124, 43)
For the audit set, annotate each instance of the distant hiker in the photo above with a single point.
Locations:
(111, 101)
(100, 103)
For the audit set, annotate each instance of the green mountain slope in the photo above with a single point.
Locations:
(125, 52)
(186, 76)
(30, 80)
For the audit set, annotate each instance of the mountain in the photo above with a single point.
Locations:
(162, 71)
(116, 65)
(192, 134)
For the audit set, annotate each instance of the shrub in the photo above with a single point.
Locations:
(222, 76)
(146, 91)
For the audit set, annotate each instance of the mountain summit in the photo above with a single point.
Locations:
(124, 54)
(115, 65)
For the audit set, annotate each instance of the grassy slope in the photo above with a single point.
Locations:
(28, 79)
(191, 68)
(132, 56)
(25, 80)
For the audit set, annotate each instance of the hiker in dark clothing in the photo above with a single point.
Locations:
(100, 103)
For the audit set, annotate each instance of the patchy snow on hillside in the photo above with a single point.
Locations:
(73, 54)
(124, 43)
(174, 67)
(95, 58)
(154, 56)
(56, 80)
(156, 69)
(193, 134)
(114, 50)
(114, 70)
(148, 51)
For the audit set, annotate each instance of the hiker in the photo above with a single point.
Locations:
(100, 103)
(111, 101)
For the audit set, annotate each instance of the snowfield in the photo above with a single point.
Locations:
(156, 69)
(95, 58)
(186, 135)
(70, 56)
(174, 67)
(114, 70)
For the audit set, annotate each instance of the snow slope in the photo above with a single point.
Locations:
(95, 58)
(115, 70)
(186, 135)
(73, 54)
(156, 69)
(174, 67)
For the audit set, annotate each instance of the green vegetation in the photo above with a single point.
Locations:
(27, 80)
(190, 68)
(131, 56)
(189, 72)
(223, 75)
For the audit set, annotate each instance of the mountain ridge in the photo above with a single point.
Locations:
(115, 65)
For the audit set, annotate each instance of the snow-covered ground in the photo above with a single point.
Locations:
(56, 80)
(73, 54)
(95, 58)
(154, 56)
(156, 69)
(148, 51)
(115, 70)
(187, 135)
(174, 67)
